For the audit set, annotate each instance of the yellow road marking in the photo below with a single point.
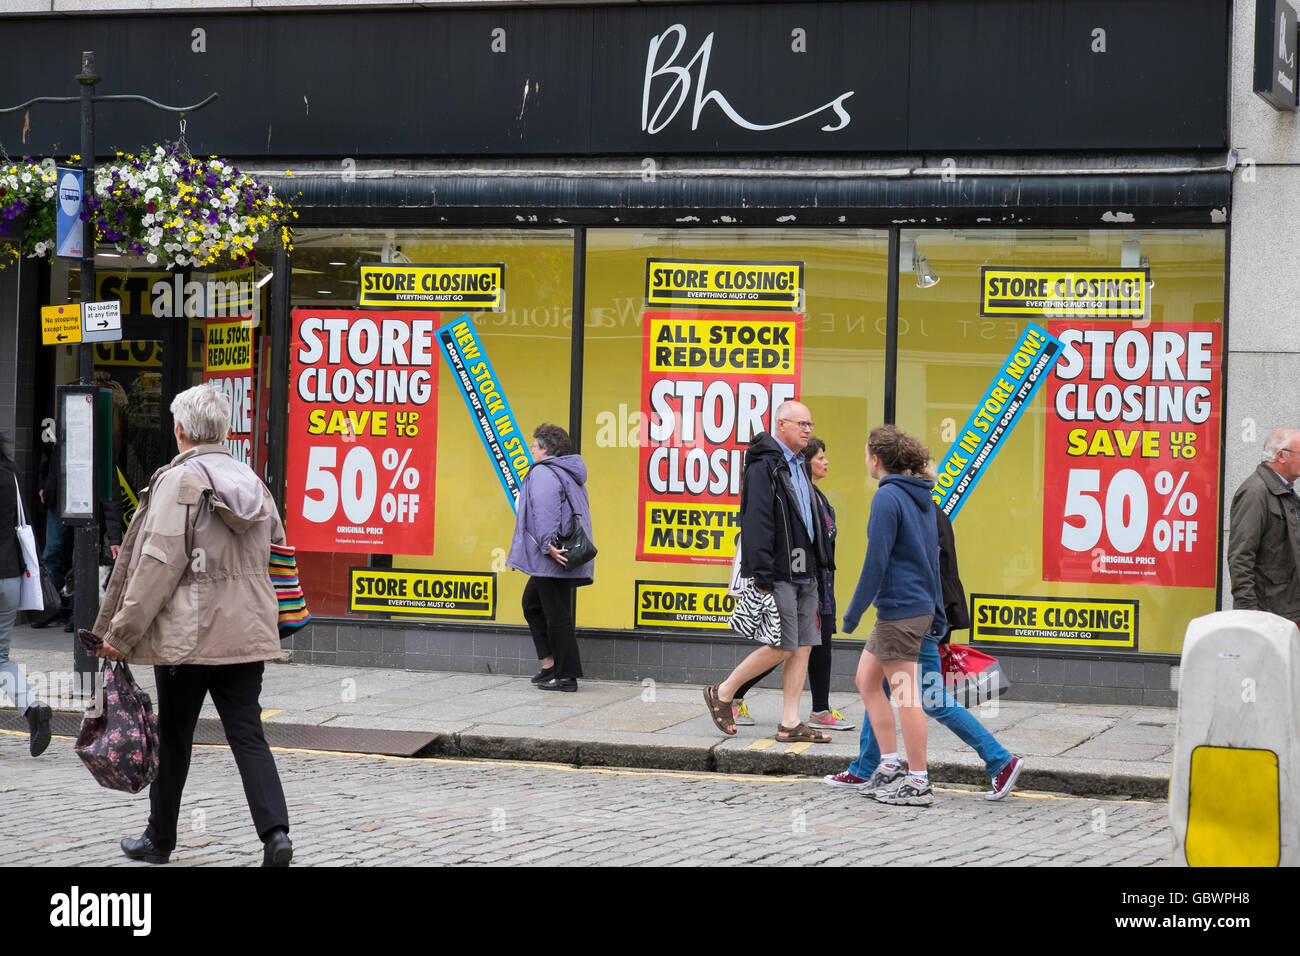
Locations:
(679, 774)
(798, 748)
(266, 714)
(761, 744)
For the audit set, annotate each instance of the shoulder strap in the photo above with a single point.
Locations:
(18, 496)
(562, 491)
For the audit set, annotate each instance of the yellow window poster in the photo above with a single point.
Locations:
(760, 286)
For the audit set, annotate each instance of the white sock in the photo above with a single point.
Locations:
(889, 760)
(920, 776)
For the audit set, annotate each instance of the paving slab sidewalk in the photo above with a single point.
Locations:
(1084, 749)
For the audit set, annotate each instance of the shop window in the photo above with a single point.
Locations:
(690, 337)
(428, 482)
(1094, 527)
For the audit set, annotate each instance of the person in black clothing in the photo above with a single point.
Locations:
(823, 717)
(783, 547)
(12, 569)
(57, 554)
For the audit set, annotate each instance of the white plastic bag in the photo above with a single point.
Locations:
(30, 596)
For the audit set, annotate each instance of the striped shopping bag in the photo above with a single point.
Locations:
(284, 576)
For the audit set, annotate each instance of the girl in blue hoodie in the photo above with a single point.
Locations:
(900, 576)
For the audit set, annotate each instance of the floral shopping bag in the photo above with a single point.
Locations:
(118, 741)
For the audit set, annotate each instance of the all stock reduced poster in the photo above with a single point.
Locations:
(363, 398)
(228, 364)
(710, 382)
(1132, 454)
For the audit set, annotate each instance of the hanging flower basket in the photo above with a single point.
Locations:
(170, 208)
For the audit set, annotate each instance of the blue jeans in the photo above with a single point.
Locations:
(939, 704)
(57, 555)
(12, 684)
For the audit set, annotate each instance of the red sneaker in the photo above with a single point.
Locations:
(845, 779)
(1005, 780)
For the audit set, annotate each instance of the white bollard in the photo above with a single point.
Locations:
(1234, 797)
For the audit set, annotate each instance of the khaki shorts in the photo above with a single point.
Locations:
(797, 604)
(899, 640)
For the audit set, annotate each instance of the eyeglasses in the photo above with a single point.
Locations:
(1287, 451)
(806, 425)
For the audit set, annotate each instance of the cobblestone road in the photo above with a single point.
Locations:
(358, 810)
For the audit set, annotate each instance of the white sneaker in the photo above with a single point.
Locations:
(740, 713)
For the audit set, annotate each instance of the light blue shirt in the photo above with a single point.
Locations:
(802, 488)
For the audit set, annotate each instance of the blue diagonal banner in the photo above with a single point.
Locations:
(486, 401)
(1008, 395)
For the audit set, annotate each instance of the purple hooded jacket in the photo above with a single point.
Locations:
(543, 516)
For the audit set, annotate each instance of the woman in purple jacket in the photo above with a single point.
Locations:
(553, 496)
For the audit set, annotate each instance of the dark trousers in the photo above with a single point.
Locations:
(819, 670)
(548, 609)
(235, 689)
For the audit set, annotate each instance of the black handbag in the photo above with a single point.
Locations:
(576, 545)
(50, 595)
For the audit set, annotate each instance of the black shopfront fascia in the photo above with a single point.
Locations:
(943, 77)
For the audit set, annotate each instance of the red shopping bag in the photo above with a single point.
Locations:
(971, 676)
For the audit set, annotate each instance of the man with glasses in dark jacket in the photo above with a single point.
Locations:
(783, 545)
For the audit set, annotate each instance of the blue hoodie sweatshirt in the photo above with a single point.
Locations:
(900, 574)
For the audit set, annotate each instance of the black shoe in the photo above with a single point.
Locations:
(567, 684)
(546, 673)
(277, 849)
(67, 628)
(145, 849)
(38, 719)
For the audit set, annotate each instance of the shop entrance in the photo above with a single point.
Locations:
(145, 371)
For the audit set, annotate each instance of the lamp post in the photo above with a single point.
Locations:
(86, 546)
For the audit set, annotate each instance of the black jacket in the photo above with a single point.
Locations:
(112, 509)
(826, 581)
(774, 542)
(954, 595)
(11, 553)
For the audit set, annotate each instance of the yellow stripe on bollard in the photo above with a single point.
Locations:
(1233, 808)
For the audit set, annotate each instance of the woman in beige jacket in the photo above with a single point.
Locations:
(191, 595)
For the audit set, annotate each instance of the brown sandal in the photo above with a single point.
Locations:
(800, 734)
(720, 711)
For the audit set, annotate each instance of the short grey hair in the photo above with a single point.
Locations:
(1277, 439)
(783, 410)
(203, 413)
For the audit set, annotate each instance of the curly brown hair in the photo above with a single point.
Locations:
(554, 439)
(899, 452)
